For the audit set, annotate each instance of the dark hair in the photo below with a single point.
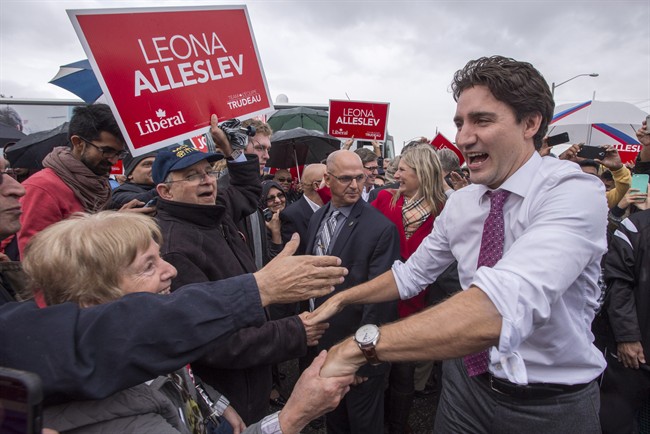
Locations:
(517, 84)
(89, 121)
(590, 163)
(10, 117)
(366, 155)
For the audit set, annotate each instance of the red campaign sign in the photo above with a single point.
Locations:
(117, 168)
(628, 152)
(164, 71)
(361, 120)
(200, 143)
(441, 142)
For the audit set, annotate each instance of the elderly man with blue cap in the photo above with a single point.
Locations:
(200, 238)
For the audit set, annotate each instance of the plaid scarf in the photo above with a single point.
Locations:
(414, 213)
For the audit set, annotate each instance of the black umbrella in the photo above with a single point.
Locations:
(29, 152)
(298, 117)
(9, 134)
(300, 146)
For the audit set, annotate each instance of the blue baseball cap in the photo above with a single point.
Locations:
(178, 157)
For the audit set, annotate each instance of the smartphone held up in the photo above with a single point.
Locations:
(592, 152)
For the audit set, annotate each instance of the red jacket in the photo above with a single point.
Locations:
(47, 200)
(406, 247)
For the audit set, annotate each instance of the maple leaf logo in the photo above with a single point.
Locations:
(161, 113)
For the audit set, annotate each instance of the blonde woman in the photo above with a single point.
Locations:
(413, 208)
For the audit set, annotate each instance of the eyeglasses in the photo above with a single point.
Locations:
(278, 196)
(371, 168)
(11, 173)
(196, 177)
(107, 151)
(285, 179)
(347, 180)
(260, 147)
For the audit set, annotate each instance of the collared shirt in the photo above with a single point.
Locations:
(271, 424)
(365, 193)
(314, 206)
(546, 284)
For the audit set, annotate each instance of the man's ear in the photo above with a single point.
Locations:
(164, 191)
(327, 179)
(77, 145)
(531, 125)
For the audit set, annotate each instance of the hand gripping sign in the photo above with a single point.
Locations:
(361, 120)
(164, 71)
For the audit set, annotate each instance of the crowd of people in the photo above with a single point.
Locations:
(165, 304)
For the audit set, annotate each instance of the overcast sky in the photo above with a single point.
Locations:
(404, 53)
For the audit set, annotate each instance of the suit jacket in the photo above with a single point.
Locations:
(368, 244)
(295, 218)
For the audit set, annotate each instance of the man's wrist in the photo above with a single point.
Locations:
(234, 154)
(290, 423)
(352, 353)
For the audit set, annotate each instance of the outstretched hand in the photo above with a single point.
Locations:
(344, 358)
(313, 396)
(288, 278)
(325, 311)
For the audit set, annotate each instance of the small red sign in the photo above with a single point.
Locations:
(117, 168)
(358, 119)
(164, 71)
(628, 152)
(441, 142)
(200, 143)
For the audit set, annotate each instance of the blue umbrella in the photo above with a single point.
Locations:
(79, 78)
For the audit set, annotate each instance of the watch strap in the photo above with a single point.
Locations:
(370, 354)
(235, 154)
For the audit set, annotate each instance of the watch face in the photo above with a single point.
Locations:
(366, 334)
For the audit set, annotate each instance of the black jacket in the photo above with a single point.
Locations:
(295, 218)
(204, 244)
(129, 191)
(627, 275)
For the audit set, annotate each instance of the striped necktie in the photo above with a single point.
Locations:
(323, 242)
(327, 233)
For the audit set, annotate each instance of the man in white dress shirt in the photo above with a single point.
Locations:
(529, 312)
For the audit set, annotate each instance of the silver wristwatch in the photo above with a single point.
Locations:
(367, 337)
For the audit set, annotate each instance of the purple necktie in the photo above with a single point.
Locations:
(490, 253)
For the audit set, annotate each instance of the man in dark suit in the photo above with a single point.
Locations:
(368, 244)
(295, 217)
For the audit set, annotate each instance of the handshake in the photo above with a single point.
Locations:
(287, 279)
